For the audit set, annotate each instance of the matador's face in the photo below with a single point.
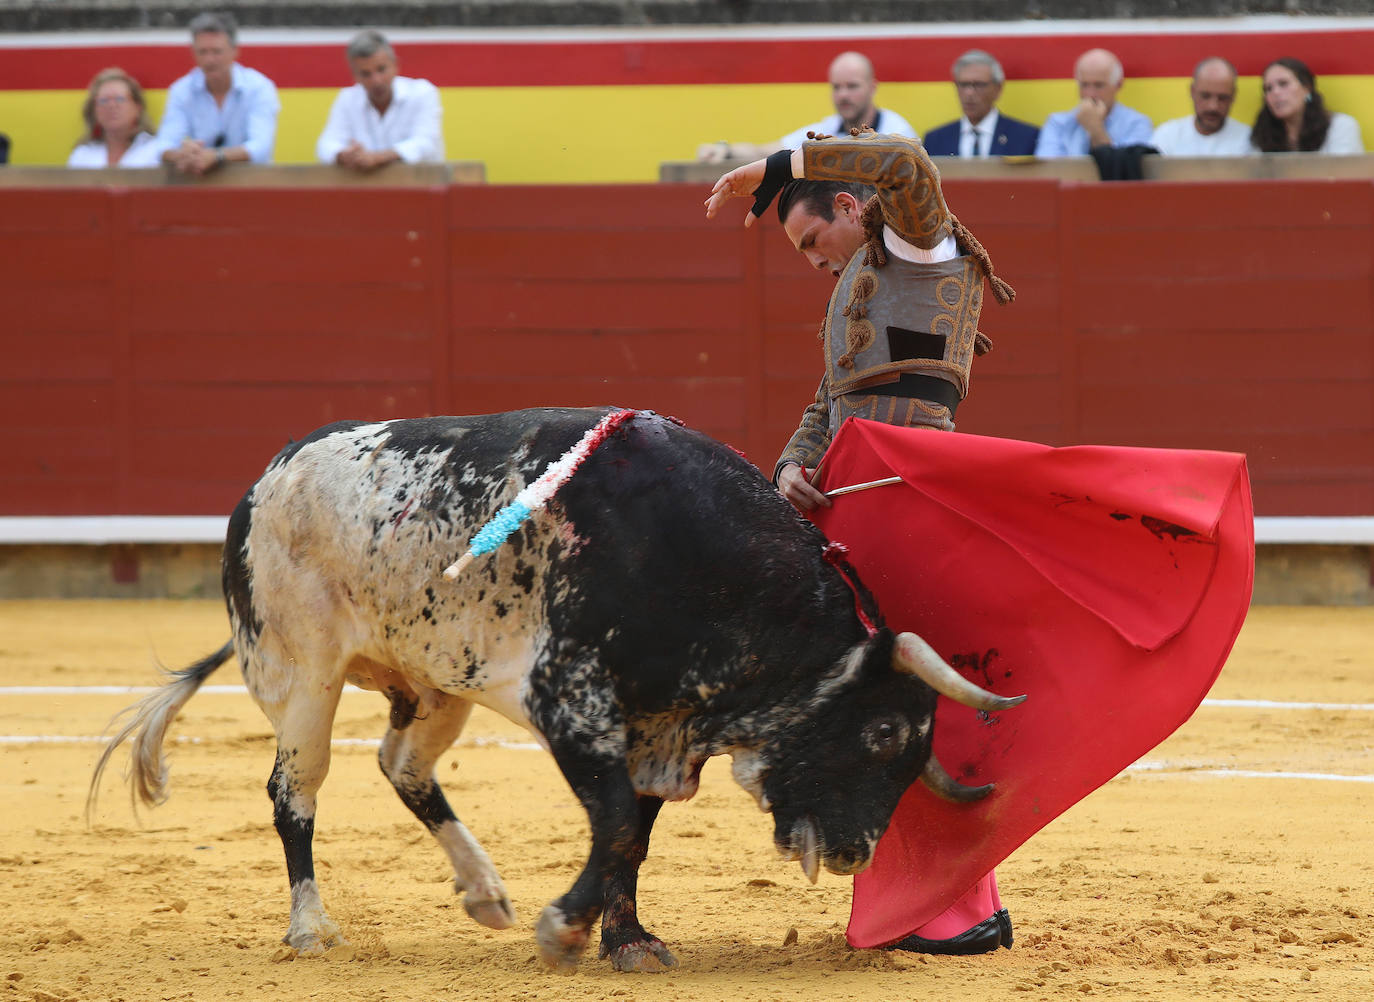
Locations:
(827, 243)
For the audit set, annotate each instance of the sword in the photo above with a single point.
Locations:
(862, 487)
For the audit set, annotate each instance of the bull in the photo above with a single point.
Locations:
(665, 607)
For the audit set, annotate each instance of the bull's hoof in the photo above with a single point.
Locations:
(646, 956)
(560, 945)
(499, 914)
(314, 942)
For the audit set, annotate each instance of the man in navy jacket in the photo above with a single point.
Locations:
(982, 131)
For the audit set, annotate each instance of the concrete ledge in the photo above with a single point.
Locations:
(1257, 167)
(1313, 575)
(1006, 168)
(110, 570)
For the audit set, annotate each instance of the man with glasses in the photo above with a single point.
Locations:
(220, 111)
(983, 131)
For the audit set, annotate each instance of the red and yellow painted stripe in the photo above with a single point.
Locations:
(552, 107)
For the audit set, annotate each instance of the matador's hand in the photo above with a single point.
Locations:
(741, 182)
(794, 483)
(762, 179)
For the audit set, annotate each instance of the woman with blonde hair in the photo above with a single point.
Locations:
(118, 131)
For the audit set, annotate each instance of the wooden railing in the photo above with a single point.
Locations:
(161, 342)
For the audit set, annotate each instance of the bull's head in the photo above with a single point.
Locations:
(833, 780)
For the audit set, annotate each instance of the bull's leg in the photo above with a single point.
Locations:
(420, 732)
(630, 946)
(303, 726)
(620, 834)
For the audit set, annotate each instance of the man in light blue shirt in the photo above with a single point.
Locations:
(220, 111)
(1098, 120)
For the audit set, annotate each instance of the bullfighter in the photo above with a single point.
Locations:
(898, 339)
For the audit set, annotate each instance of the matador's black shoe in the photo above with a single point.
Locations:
(988, 935)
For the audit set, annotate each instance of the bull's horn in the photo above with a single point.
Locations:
(943, 785)
(914, 656)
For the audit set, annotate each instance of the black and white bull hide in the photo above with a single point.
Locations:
(667, 606)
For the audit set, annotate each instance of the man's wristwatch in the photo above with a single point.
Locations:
(219, 158)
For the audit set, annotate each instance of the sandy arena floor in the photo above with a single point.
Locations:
(1217, 875)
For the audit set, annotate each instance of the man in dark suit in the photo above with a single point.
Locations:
(982, 131)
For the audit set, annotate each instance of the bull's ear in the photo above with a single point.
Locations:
(913, 656)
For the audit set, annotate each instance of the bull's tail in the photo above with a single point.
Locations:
(147, 726)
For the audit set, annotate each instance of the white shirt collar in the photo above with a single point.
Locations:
(987, 127)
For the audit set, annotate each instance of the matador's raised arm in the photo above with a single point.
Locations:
(908, 186)
(907, 182)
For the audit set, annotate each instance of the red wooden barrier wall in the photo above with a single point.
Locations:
(160, 344)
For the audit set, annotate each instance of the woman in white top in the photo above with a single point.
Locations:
(1294, 117)
(118, 132)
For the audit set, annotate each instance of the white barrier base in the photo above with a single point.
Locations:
(98, 530)
(105, 529)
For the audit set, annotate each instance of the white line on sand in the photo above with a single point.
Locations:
(99, 739)
(1175, 769)
(1155, 768)
(1172, 769)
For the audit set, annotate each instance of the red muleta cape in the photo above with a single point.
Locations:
(1106, 583)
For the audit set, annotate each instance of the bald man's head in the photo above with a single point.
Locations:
(851, 64)
(1213, 91)
(852, 88)
(1099, 75)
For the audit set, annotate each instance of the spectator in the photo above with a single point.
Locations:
(1294, 117)
(220, 111)
(853, 88)
(383, 117)
(1098, 120)
(1210, 131)
(983, 131)
(118, 132)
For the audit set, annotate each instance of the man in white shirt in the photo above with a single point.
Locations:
(853, 88)
(1210, 131)
(383, 117)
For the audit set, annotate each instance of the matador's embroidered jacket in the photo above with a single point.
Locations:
(889, 318)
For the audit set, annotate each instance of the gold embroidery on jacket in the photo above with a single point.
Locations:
(859, 332)
(908, 412)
